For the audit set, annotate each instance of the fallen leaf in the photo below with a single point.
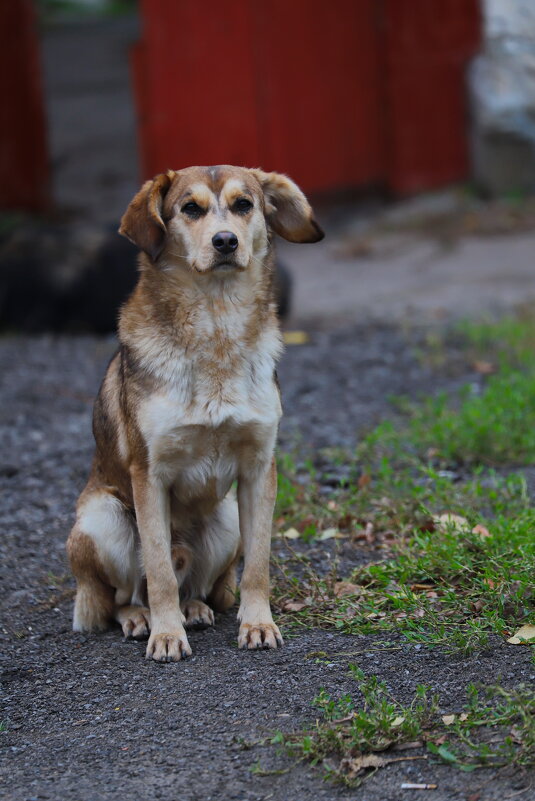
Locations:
(293, 606)
(448, 719)
(328, 534)
(332, 505)
(407, 746)
(353, 766)
(364, 480)
(397, 721)
(450, 522)
(524, 635)
(342, 588)
(482, 531)
(296, 337)
(485, 368)
(291, 534)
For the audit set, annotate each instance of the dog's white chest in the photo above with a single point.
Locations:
(200, 434)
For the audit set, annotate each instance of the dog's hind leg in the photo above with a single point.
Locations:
(101, 550)
(223, 593)
(225, 536)
(93, 607)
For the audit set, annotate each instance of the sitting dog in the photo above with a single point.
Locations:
(189, 405)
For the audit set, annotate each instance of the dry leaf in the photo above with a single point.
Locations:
(485, 368)
(332, 505)
(524, 634)
(328, 534)
(364, 480)
(448, 719)
(450, 522)
(397, 721)
(291, 534)
(482, 531)
(407, 746)
(353, 766)
(293, 606)
(295, 337)
(342, 588)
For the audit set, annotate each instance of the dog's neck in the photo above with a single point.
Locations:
(213, 321)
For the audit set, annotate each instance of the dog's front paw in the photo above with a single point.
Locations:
(198, 614)
(168, 647)
(259, 635)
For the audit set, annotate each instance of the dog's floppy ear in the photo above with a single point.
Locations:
(142, 222)
(287, 209)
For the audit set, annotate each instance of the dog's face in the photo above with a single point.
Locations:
(217, 219)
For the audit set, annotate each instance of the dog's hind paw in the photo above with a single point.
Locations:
(259, 635)
(135, 621)
(198, 614)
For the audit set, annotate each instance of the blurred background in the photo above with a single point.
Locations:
(409, 123)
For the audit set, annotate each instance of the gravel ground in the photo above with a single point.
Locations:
(87, 718)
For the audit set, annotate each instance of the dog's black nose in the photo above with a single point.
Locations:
(225, 242)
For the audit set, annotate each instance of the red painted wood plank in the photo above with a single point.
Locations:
(320, 91)
(24, 169)
(199, 95)
(427, 47)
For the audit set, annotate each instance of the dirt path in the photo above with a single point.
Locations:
(86, 717)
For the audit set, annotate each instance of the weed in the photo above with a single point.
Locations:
(351, 729)
(451, 586)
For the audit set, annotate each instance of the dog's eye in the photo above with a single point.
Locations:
(243, 205)
(192, 210)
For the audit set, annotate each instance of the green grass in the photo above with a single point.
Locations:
(436, 503)
(436, 583)
(361, 732)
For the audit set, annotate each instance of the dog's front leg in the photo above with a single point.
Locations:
(256, 499)
(167, 641)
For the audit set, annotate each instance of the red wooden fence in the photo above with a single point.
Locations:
(24, 169)
(339, 94)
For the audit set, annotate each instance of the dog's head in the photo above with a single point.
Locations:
(217, 218)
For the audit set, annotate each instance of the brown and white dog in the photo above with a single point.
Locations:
(189, 404)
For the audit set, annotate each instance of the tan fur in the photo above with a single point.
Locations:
(188, 405)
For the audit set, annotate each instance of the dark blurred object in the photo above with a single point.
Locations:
(24, 169)
(66, 278)
(339, 96)
(102, 287)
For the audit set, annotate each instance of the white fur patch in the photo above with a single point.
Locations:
(104, 518)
